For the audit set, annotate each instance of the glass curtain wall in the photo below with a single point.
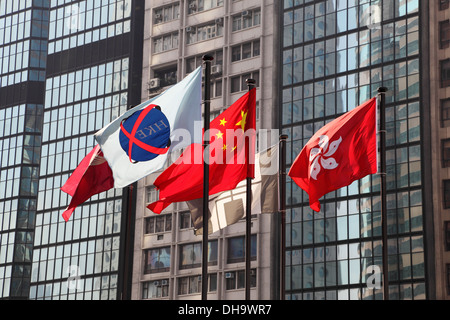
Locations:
(335, 55)
(79, 259)
(23, 47)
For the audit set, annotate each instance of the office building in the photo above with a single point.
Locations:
(335, 55)
(239, 35)
(68, 69)
(23, 45)
(437, 59)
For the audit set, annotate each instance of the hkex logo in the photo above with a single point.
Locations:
(145, 134)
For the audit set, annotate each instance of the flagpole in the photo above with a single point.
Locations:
(381, 93)
(207, 60)
(282, 187)
(248, 215)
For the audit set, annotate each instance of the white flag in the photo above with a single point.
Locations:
(139, 142)
(228, 207)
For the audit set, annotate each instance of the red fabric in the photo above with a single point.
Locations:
(339, 153)
(93, 175)
(183, 180)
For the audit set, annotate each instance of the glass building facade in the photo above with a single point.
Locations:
(79, 57)
(335, 55)
(23, 46)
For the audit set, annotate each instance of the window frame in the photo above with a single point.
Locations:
(196, 247)
(447, 267)
(152, 222)
(445, 150)
(241, 78)
(237, 51)
(148, 252)
(445, 73)
(444, 34)
(160, 44)
(447, 235)
(241, 258)
(446, 194)
(240, 22)
(174, 14)
(445, 112)
(162, 289)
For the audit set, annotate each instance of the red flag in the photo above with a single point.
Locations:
(93, 175)
(229, 161)
(339, 153)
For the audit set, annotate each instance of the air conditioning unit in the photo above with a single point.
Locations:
(164, 282)
(190, 29)
(229, 275)
(192, 6)
(154, 83)
(246, 13)
(156, 283)
(158, 16)
(219, 21)
(216, 69)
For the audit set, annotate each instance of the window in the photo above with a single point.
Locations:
(216, 70)
(193, 284)
(245, 51)
(193, 63)
(152, 195)
(238, 83)
(445, 153)
(167, 77)
(447, 267)
(155, 289)
(191, 254)
(246, 19)
(165, 43)
(158, 224)
(446, 194)
(445, 112)
(166, 13)
(201, 5)
(185, 220)
(447, 235)
(236, 279)
(157, 260)
(216, 88)
(205, 32)
(444, 36)
(236, 249)
(443, 4)
(445, 73)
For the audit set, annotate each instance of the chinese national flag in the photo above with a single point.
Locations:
(93, 175)
(339, 153)
(231, 155)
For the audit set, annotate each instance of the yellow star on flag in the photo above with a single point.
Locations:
(243, 121)
(224, 147)
(223, 122)
(219, 135)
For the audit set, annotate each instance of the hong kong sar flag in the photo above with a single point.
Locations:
(339, 153)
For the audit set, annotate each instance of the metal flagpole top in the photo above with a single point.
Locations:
(207, 57)
(250, 82)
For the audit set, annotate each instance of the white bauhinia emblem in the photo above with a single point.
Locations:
(321, 156)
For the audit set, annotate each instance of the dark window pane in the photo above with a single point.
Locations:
(446, 194)
(446, 153)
